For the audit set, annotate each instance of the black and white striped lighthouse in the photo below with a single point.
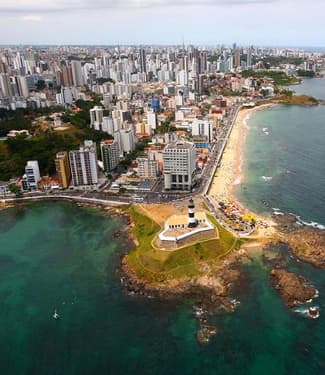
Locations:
(191, 214)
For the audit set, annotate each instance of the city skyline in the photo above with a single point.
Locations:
(259, 22)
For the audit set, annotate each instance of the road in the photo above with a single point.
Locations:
(205, 179)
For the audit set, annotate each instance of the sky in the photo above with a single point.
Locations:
(203, 22)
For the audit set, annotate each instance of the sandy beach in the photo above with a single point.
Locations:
(230, 172)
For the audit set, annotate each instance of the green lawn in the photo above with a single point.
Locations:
(158, 265)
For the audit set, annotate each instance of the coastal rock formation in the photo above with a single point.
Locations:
(204, 335)
(212, 290)
(307, 243)
(309, 246)
(294, 289)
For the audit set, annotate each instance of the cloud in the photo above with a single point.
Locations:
(31, 18)
(48, 6)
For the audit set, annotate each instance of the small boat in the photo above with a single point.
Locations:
(56, 315)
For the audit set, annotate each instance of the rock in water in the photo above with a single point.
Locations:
(294, 289)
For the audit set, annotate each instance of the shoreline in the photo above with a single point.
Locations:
(230, 173)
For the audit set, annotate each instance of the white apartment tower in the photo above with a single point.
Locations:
(83, 165)
(147, 168)
(179, 166)
(152, 119)
(127, 140)
(31, 176)
(96, 117)
(203, 128)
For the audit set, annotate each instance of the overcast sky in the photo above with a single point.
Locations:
(259, 22)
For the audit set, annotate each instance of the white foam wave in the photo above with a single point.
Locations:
(308, 312)
(267, 178)
(313, 224)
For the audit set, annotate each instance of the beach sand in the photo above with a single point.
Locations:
(230, 172)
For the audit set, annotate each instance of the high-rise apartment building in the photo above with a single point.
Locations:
(22, 86)
(77, 73)
(152, 119)
(110, 151)
(237, 58)
(127, 140)
(63, 169)
(179, 166)
(66, 78)
(249, 58)
(96, 117)
(203, 129)
(31, 176)
(147, 168)
(5, 86)
(142, 61)
(83, 165)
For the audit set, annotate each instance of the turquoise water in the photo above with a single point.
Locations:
(314, 87)
(60, 256)
(285, 168)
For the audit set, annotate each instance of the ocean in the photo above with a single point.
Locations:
(64, 257)
(284, 162)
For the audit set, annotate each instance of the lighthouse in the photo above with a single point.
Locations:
(192, 223)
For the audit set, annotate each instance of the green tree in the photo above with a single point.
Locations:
(40, 85)
(15, 189)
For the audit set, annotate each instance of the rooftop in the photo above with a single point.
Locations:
(180, 145)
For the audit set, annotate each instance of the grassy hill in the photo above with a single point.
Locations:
(155, 265)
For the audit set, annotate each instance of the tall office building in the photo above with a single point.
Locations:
(110, 151)
(179, 166)
(237, 58)
(77, 73)
(63, 169)
(83, 165)
(31, 176)
(142, 61)
(22, 86)
(249, 58)
(5, 85)
(66, 77)
(199, 84)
